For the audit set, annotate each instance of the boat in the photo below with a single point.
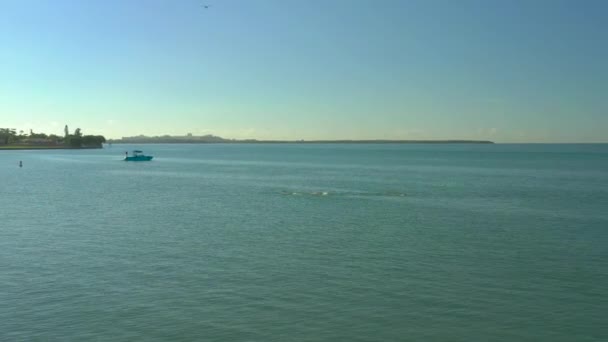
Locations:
(137, 156)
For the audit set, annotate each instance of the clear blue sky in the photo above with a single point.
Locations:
(505, 70)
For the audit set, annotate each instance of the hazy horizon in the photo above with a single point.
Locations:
(511, 71)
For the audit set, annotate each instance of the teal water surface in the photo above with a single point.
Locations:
(305, 243)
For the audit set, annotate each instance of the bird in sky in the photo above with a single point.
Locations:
(206, 6)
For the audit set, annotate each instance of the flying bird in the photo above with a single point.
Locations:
(206, 6)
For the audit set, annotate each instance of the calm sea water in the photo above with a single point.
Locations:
(306, 243)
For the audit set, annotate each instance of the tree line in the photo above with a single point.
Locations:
(10, 136)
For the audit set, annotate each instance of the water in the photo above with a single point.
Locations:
(306, 243)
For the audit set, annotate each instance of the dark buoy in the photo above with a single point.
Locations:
(20, 163)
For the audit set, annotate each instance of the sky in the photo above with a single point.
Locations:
(501, 70)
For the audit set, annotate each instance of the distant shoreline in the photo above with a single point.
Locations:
(186, 141)
(42, 147)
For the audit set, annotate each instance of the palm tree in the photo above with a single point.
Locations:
(7, 135)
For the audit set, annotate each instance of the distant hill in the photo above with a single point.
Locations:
(212, 139)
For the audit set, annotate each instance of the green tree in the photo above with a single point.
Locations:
(7, 135)
(38, 135)
(74, 141)
(93, 140)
